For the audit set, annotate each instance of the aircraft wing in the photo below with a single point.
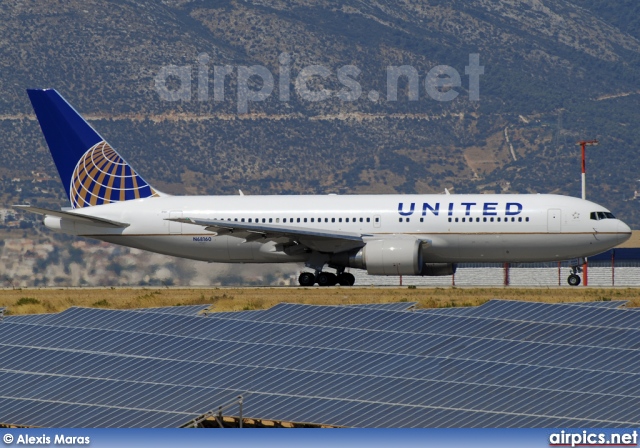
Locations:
(72, 216)
(321, 240)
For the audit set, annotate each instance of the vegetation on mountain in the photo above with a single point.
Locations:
(555, 71)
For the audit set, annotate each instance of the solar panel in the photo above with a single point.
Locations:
(434, 323)
(343, 339)
(492, 338)
(601, 303)
(27, 318)
(458, 311)
(559, 313)
(157, 378)
(471, 310)
(347, 366)
(189, 310)
(399, 306)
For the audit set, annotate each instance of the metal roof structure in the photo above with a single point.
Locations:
(505, 364)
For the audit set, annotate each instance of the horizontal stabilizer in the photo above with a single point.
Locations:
(73, 216)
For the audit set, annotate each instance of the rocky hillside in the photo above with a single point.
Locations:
(555, 71)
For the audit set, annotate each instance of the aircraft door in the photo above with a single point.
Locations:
(553, 220)
(175, 228)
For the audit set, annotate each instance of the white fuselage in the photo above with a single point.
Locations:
(459, 228)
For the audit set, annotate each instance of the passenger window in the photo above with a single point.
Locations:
(399, 219)
(298, 219)
(339, 219)
(463, 220)
(456, 219)
(377, 219)
(421, 219)
(277, 219)
(527, 219)
(368, 219)
(270, 220)
(361, 220)
(333, 219)
(477, 219)
(520, 219)
(347, 220)
(484, 219)
(326, 219)
(449, 219)
(491, 219)
(305, 219)
(312, 219)
(407, 220)
(498, 219)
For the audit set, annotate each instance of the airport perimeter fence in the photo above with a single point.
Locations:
(617, 267)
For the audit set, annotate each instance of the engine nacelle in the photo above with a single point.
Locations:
(402, 256)
(392, 256)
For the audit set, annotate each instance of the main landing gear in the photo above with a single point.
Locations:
(326, 279)
(574, 278)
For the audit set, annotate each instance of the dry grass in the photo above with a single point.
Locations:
(29, 301)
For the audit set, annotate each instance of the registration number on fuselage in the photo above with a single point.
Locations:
(201, 239)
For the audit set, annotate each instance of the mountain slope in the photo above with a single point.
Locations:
(554, 72)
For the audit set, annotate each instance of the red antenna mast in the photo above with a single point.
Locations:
(584, 144)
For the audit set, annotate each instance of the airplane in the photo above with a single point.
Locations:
(418, 234)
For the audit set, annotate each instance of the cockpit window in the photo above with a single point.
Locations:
(596, 216)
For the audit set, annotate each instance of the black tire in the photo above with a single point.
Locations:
(307, 279)
(346, 279)
(327, 279)
(352, 278)
(574, 280)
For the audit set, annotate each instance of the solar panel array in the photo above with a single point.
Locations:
(398, 306)
(506, 364)
(188, 310)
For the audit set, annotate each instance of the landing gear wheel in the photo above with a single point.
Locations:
(327, 279)
(306, 279)
(574, 280)
(346, 279)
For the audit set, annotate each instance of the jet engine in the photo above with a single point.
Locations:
(393, 256)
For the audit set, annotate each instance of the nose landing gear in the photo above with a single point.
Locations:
(574, 278)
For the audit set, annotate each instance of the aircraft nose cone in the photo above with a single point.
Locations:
(624, 232)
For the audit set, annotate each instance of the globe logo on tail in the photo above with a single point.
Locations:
(102, 177)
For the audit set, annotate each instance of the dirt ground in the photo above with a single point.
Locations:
(51, 300)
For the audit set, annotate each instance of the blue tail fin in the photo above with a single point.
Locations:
(92, 172)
